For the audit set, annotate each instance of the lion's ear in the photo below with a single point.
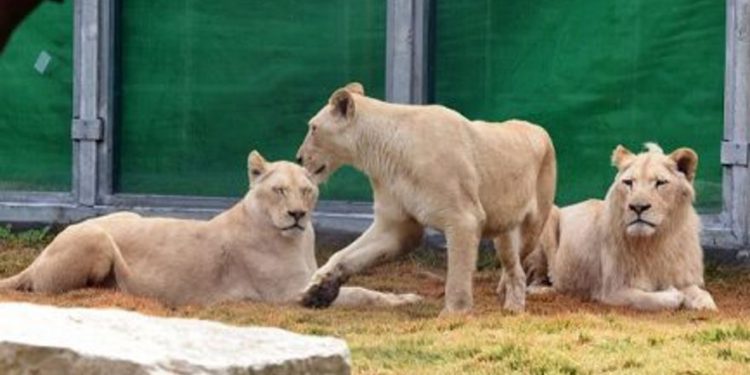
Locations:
(687, 162)
(343, 103)
(622, 157)
(355, 88)
(256, 166)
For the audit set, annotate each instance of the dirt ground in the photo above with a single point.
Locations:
(556, 334)
(729, 286)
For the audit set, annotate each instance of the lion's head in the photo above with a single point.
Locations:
(329, 140)
(283, 191)
(651, 190)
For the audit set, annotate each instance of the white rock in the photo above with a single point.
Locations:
(38, 339)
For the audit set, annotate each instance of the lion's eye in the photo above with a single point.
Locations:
(306, 191)
(279, 190)
(628, 182)
(314, 128)
(661, 182)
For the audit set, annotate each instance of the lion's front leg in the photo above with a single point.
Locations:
(698, 299)
(669, 299)
(463, 243)
(357, 296)
(382, 241)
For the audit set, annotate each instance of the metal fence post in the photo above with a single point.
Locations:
(87, 126)
(737, 119)
(106, 99)
(407, 51)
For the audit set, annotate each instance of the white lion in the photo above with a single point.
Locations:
(430, 166)
(639, 247)
(261, 249)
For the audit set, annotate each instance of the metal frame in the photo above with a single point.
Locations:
(729, 229)
(93, 136)
(407, 46)
(407, 80)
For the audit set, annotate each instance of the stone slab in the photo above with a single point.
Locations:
(37, 339)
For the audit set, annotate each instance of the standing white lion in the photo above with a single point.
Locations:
(639, 247)
(430, 166)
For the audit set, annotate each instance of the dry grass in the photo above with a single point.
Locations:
(557, 334)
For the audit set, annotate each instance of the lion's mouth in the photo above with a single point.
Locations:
(293, 227)
(320, 170)
(641, 221)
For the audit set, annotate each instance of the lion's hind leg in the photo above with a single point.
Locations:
(82, 255)
(356, 296)
(511, 289)
(539, 263)
(536, 268)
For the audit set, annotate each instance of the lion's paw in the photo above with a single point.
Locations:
(672, 298)
(512, 293)
(448, 313)
(536, 290)
(407, 299)
(321, 293)
(702, 301)
(502, 285)
(515, 306)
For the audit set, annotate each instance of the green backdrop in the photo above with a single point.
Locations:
(36, 105)
(594, 74)
(204, 82)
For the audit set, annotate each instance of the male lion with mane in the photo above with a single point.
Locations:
(262, 249)
(430, 166)
(639, 247)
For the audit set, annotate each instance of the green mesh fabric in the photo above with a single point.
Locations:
(205, 82)
(36, 103)
(594, 74)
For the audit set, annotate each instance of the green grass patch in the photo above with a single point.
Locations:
(25, 238)
(737, 333)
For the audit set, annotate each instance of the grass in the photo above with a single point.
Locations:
(557, 334)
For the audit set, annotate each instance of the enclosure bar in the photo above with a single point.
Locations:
(76, 97)
(220, 203)
(421, 61)
(106, 100)
(406, 51)
(736, 181)
(36, 197)
(86, 126)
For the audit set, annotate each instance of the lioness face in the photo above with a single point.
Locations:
(652, 188)
(329, 141)
(284, 191)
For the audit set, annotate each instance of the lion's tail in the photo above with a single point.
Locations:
(538, 264)
(21, 281)
(547, 178)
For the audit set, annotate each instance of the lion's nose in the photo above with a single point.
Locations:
(299, 159)
(639, 208)
(299, 214)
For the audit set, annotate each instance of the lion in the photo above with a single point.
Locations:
(261, 249)
(639, 247)
(431, 167)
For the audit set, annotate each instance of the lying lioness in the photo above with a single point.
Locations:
(639, 247)
(430, 166)
(261, 249)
